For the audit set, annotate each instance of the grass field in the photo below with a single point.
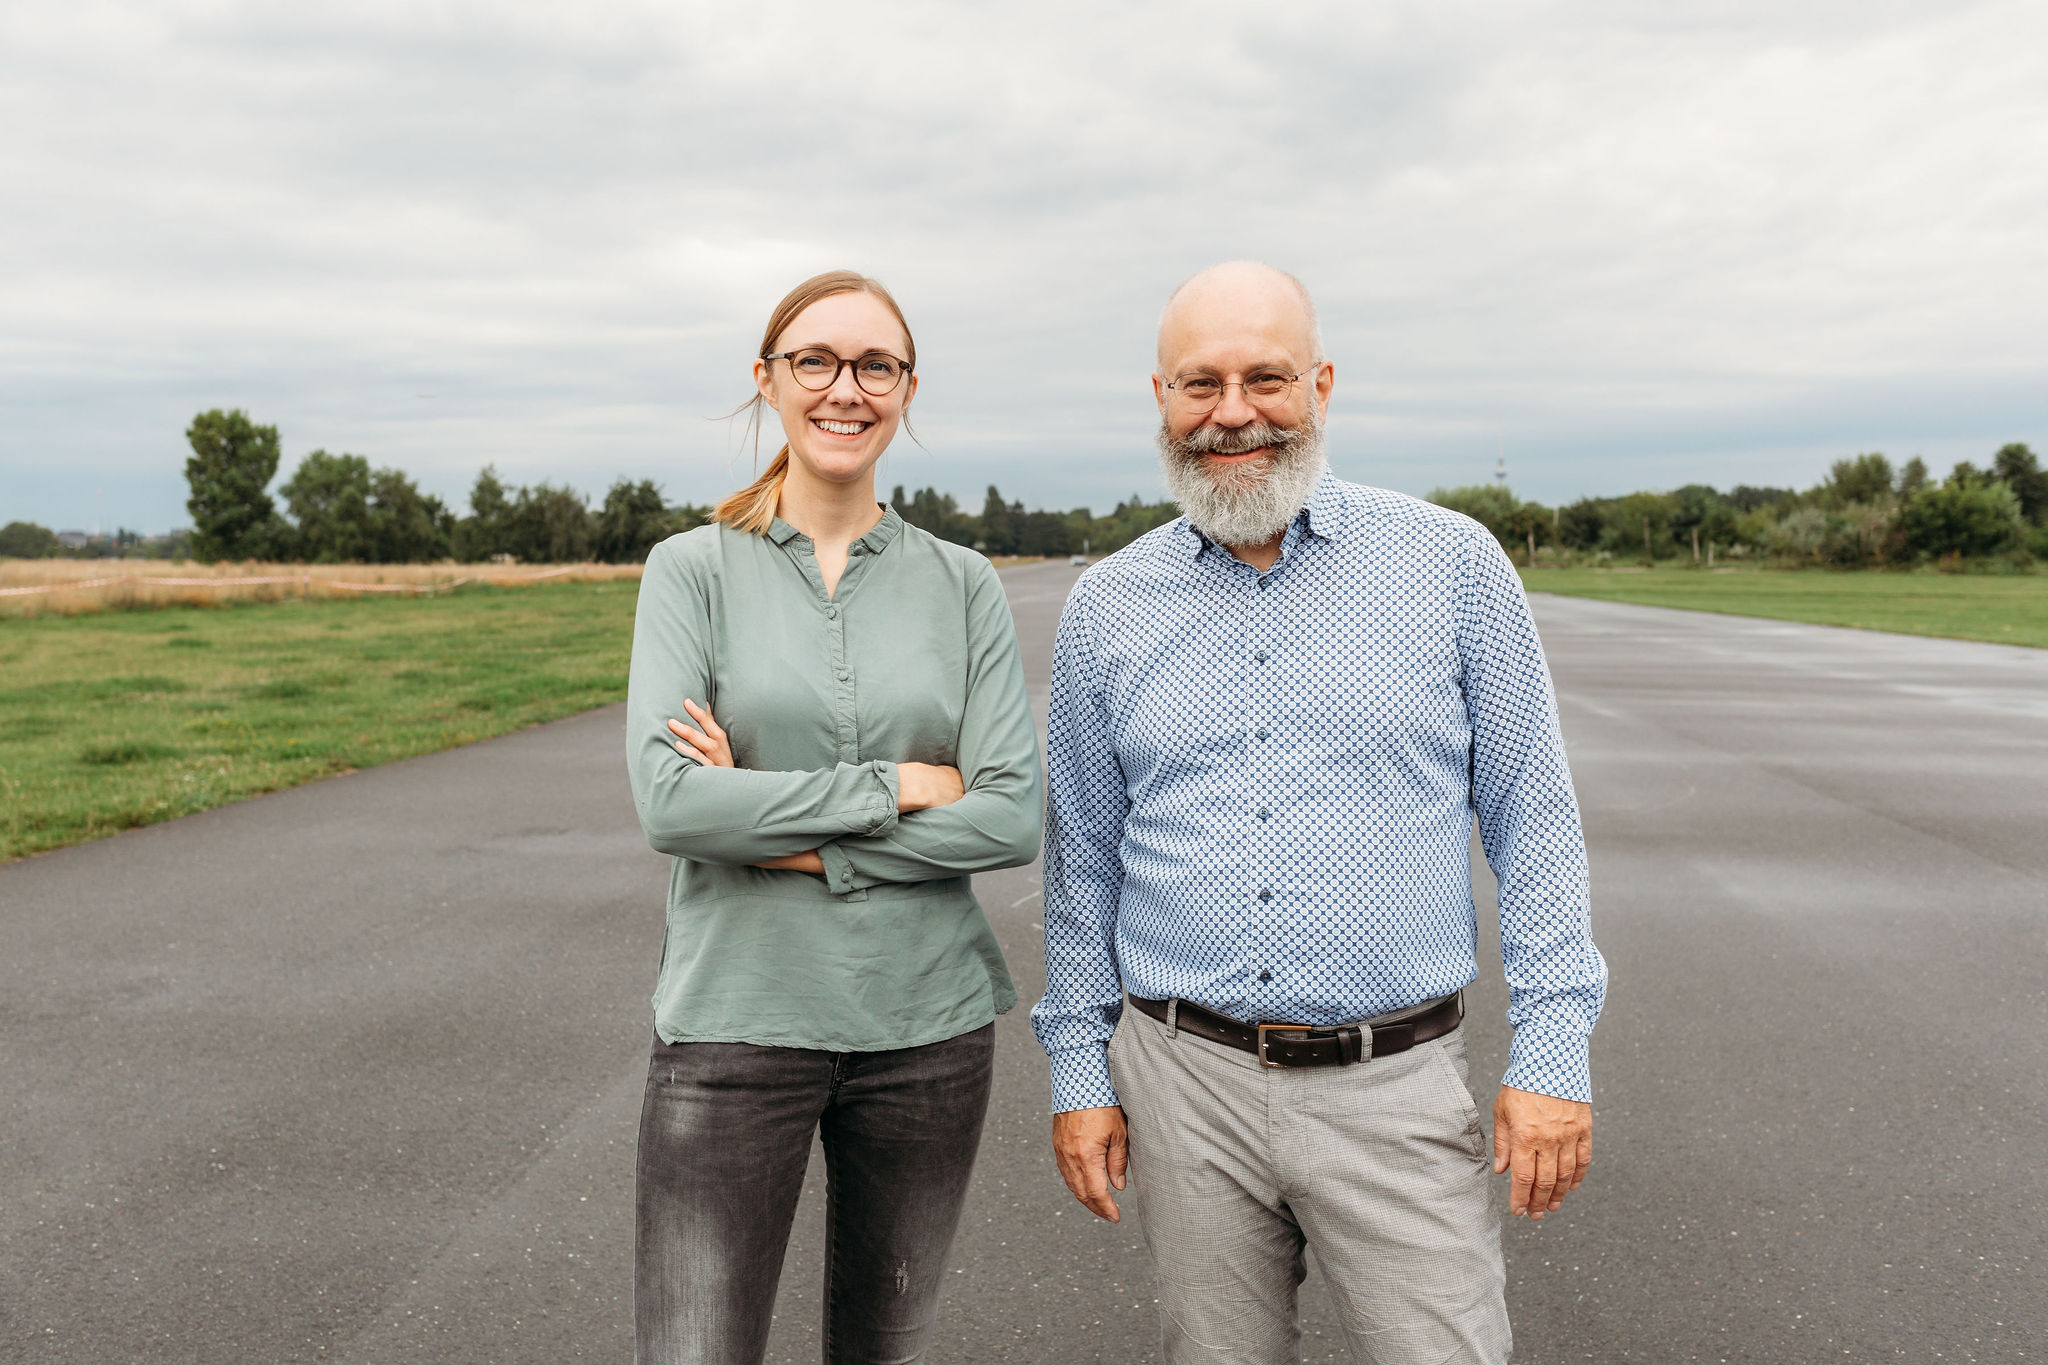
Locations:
(125, 718)
(122, 718)
(2009, 609)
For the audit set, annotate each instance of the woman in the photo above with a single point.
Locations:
(827, 726)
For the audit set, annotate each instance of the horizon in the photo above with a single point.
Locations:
(966, 503)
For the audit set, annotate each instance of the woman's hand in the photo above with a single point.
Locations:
(708, 744)
(920, 786)
(797, 862)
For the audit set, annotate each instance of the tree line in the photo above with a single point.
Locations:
(1005, 528)
(1865, 514)
(339, 509)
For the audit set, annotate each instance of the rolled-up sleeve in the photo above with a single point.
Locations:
(1086, 805)
(1528, 819)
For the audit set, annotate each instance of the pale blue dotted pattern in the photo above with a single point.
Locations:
(1262, 787)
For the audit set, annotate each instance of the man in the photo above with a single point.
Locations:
(1273, 722)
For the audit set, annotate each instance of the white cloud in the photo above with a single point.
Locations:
(1635, 246)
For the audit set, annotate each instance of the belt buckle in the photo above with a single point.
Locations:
(1264, 1029)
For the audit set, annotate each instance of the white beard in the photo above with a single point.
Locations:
(1247, 504)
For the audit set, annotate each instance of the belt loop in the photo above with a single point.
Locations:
(1173, 1017)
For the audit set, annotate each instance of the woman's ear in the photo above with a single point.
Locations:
(764, 383)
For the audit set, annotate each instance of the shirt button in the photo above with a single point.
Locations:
(1265, 893)
(1262, 584)
(1265, 975)
(1265, 814)
(1263, 733)
(1259, 657)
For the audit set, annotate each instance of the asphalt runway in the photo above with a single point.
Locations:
(351, 1072)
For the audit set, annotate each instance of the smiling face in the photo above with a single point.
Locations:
(837, 434)
(1231, 323)
(1239, 470)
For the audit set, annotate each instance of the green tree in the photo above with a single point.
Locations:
(404, 526)
(548, 525)
(26, 540)
(1529, 526)
(1045, 533)
(634, 519)
(1965, 517)
(2019, 469)
(1912, 477)
(329, 498)
(1489, 504)
(1747, 499)
(998, 529)
(1701, 516)
(936, 512)
(1866, 478)
(1582, 525)
(233, 461)
(1639, 525)
(481, 534)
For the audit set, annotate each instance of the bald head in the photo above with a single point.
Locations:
(1245, 300)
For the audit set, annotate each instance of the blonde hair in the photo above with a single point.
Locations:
(753, 508)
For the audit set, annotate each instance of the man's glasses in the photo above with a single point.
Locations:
(877, 372)
(1263, 389)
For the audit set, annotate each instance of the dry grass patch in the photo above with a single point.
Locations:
(73, 587)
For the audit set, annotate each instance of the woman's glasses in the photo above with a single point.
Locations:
(877, 372)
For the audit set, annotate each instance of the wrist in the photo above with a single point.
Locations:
(910, 787)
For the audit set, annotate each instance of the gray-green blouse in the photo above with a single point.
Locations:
(914, 659)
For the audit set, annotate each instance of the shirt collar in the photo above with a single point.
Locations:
(1325, 507)
(874, 542)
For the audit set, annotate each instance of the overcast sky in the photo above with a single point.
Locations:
(1629, 245)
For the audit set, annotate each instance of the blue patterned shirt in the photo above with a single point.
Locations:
(1262, 787)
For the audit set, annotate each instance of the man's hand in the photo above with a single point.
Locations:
(1549, 1144)
(1093, 1152)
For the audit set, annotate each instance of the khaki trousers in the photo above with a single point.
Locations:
(1380, 1166)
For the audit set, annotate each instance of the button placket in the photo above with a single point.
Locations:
(845, 712)
(1259, 803)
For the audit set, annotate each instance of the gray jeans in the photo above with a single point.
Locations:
(1381, 1167)
(725, 1134)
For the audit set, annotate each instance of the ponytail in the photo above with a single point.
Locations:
(752, 509)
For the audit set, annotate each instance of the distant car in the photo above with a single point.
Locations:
(1077, 559)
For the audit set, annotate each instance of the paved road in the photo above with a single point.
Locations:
(350, 1072)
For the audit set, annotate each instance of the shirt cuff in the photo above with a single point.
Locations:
(838, 869)
(1080, 1078)
(1551, 1062)
(884, 805)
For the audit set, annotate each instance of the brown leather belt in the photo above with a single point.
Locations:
(1313, 1045)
